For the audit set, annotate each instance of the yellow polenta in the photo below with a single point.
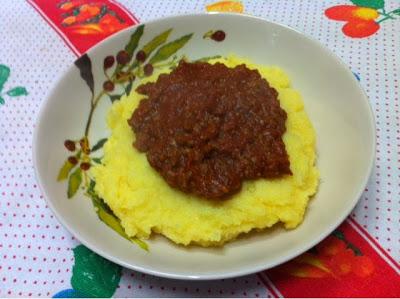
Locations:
(145, 203)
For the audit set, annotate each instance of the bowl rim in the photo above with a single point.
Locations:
(220, 275)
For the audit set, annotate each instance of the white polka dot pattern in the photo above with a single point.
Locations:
(135, 284)
(35, 251)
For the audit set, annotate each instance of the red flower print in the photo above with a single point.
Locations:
(87, 17)
(335, 257)
(341, 263)
(360, 20)
(331, 246)
(363, 266)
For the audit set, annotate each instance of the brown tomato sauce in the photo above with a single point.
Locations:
(207, 128)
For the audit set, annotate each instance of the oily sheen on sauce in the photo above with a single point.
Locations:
(207, 128)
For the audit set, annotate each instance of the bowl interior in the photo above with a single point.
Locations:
(334, 101)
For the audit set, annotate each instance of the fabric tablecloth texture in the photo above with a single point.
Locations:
(38, 257)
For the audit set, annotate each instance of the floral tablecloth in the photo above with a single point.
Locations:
(38, 257)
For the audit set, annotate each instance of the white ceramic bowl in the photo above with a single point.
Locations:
(334, 101)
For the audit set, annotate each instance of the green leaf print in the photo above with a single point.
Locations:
(111, 221)
(4, 74)
(99, 144)
(338, 234)
(94, 275)
(134, 41)
(104, 212)
(75, 180)
(17, 91)
(207, 58)
(64, 171)
(84, 64)
(157, 41)
(141, 243)
(396, 11)
(114, 97)
(128, 87)
(13, 92)
(169, 49)
(106, 215)
(376, 4)
(96, 160)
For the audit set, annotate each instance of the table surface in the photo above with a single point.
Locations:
(36, 252)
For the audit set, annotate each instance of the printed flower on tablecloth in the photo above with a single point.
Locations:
(362, 19)
(12, 92)
(226, 6)
(90, 17)
(335, 257)
(92, 276)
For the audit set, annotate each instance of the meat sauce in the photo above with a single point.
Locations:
(207, 128)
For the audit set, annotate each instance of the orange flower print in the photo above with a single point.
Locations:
(86, 11)
(362, 19)
(226, 6)
(67, 5)
(111, 23)
(90, 18)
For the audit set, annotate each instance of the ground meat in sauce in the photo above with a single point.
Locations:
(207, 128)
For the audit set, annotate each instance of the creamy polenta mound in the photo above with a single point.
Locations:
(145, 203)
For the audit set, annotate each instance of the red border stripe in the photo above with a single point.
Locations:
(379, 275)
(77, 35)
(268, 284)
(365, 234)
(127, 11)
